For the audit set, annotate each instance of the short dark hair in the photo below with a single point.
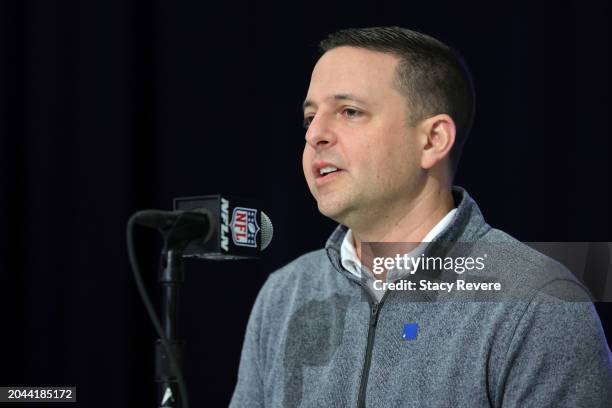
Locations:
(433, 77)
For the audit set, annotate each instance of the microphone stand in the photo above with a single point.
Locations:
(171, 278)
(178, 229)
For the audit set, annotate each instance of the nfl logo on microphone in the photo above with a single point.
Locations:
(244, 227)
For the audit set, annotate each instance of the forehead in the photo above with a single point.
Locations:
(350, 70)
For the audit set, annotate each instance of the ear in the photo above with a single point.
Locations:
(439, 135)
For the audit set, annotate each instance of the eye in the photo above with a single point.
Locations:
(351, 113)
(307, 121)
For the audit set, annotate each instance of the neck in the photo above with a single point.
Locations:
(408, 222)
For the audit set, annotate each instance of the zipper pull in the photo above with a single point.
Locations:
(373, 317)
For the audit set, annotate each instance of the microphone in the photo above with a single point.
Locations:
(203, 227)
(179, 228)
(238, 229)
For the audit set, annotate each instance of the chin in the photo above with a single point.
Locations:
(335, 211)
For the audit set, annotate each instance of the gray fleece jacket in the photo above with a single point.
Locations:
(317, 337)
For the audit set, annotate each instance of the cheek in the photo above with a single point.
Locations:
(401, 163)
(306, 161)
(392, 158)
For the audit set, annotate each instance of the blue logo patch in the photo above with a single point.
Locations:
(410, 331)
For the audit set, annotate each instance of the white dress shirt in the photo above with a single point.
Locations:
(352, 263)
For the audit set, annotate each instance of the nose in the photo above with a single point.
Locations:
(320, 134)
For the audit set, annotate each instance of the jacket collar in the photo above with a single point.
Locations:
(467, 225)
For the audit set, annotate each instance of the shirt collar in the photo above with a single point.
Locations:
(467, 225)
(348, 253)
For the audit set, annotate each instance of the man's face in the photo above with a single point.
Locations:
(357, 123)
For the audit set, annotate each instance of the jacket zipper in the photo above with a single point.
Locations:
(368, 357)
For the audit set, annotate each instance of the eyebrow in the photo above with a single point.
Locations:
(338, 97)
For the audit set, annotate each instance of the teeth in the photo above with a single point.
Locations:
(327, 169)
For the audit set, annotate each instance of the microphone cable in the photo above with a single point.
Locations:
(151, 311)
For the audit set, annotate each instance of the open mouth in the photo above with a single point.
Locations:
(327, 171)
(324, 171)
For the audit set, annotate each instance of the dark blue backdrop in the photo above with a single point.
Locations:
(112, 106)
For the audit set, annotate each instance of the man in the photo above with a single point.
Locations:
(387, 113)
